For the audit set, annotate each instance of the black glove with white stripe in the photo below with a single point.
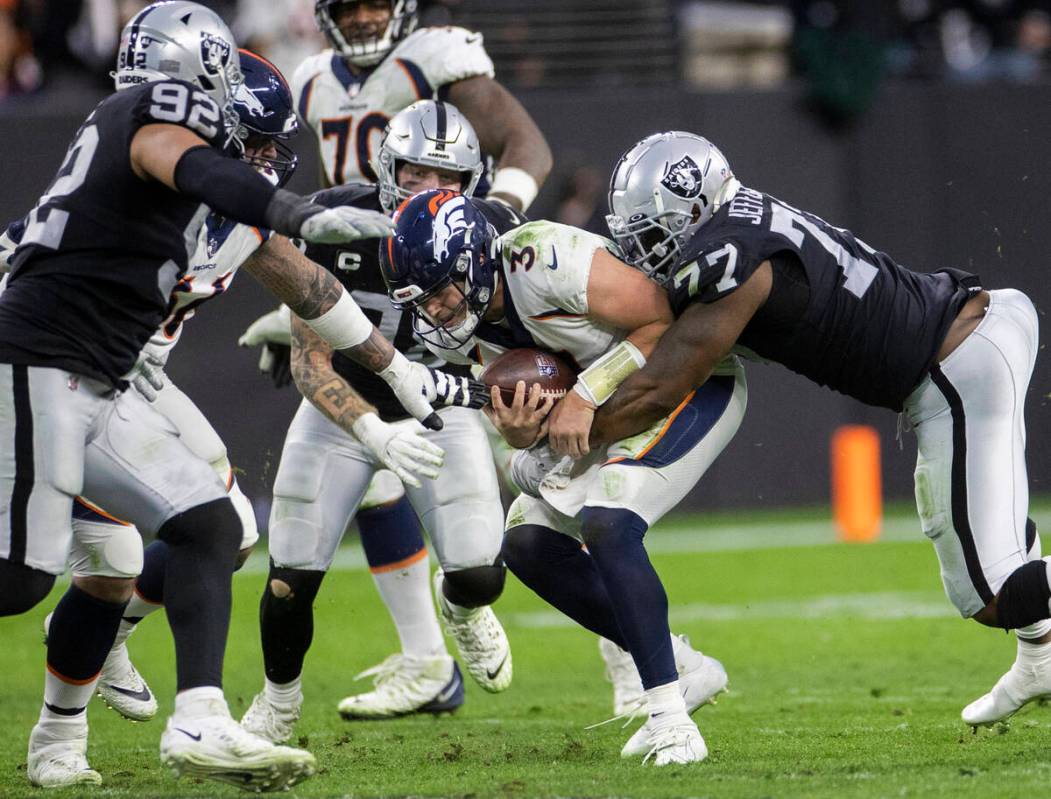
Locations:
(464, 392)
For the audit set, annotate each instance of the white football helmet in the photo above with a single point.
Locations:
(662, 190)
(429, 133)
(185, 41)
(366, 50)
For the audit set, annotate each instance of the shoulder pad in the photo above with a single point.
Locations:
(360, 195)
(446, 55)
(310, 67)
(499, 215)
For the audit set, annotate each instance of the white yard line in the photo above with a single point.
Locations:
(680, 535)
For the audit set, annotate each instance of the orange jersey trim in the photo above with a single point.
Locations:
(401, 564)
(660, 433)
(101, 512)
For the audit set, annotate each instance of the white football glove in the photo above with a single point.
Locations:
(342, 224)
(273, 332)
(147, 376)
(417, 387)
(530, 467)
(399, 449)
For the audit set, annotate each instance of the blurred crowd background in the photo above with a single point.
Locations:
(57, 52)
(841, 46)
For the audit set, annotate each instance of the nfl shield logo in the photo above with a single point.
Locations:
(545, 366)
(684, 178)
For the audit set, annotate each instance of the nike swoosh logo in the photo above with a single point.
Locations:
(143, 695)
(491, 674)
(446, 695)
(554, 260)
(196, 737)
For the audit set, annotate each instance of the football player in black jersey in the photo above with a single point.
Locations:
(89, 285)
(745, 269)
(336, 443)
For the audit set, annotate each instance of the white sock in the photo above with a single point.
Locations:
(665, 700)
(65, 696)
(406, 592)
(138, 609)
(56, 727)
(208, 700)
(284, 694)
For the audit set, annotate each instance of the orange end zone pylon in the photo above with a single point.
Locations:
(857, 493)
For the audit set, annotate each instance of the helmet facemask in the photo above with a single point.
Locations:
(651, 244)
(370, 50)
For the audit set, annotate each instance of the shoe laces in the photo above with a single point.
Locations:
(383, 672)
(629, 716)
(666, 737)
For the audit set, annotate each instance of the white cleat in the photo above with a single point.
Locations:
(481, 640)
(123, 689)
(218, 748)
(55, 762)
(670, 741)
(273, 723)
(1019, 686)
(620, 670)
(405, 685)
(701, 679)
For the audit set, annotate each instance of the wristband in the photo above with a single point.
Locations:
(343, 325)
(597, 383)
(517, 183)
(287, 212)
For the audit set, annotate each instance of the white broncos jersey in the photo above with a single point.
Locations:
(222, 247)
(545, 269)
(348, 112)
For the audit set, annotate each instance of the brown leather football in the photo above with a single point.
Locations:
(552, 372)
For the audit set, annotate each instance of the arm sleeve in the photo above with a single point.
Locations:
(229, 187)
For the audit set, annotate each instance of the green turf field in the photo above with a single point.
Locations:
(847, 672)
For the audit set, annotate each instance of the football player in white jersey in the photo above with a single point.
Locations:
(107, 554)
(475, 295)
(379, 63)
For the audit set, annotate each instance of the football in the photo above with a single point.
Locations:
(552, 372)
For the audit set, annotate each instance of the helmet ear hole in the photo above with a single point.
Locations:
(695, 213)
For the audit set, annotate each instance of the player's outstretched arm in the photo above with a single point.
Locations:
(620, 297)
(399, 449)
(507, 131)
(182, 161)
(683, 359)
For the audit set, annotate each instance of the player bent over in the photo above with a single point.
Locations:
(131, 194)
(474, 295)
(754, 271)
(331, 454)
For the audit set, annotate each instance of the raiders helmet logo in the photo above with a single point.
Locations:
(684, 178)
(215, 53)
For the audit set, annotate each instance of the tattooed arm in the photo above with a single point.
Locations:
(310, 291)
(318, 381)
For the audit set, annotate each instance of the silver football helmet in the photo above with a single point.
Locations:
(428, 133)
(368, 49)
(662, 190)
(185, 41)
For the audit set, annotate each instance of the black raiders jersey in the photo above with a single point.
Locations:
(102, 249)
(839, 312)
(356, 266)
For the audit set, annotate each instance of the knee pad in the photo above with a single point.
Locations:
(1023, 599)
(22, 587)
(214, 527)
(474, 587)
(105, 550)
